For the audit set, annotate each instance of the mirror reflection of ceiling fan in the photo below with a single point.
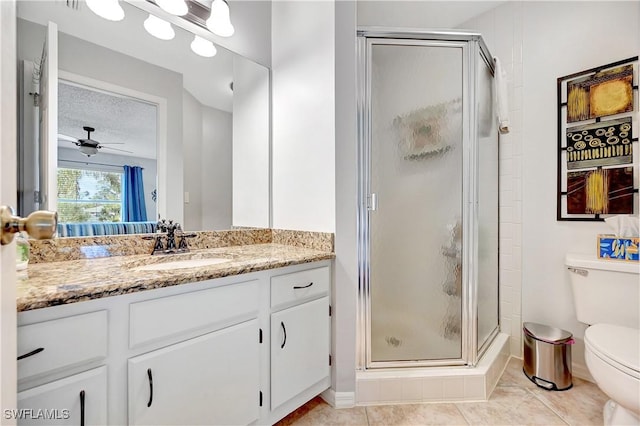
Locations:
(90, 146)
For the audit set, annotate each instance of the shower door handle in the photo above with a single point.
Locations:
(372, 201)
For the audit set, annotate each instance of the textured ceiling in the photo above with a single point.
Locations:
(117, 120)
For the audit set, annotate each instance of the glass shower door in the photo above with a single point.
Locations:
(487, 209)
(415, 176)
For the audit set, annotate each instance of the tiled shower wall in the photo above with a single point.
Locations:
(501, 29)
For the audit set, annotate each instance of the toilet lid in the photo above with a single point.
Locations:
(615, 343)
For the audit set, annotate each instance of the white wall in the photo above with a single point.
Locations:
(149, 170)
(345, 290)
(251, 183)
(303, 115)
(216, 168)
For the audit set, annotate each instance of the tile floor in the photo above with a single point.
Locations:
(515, 401)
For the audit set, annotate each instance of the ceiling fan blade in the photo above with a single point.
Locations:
(116, 149)
(66, 138)
(111, 143)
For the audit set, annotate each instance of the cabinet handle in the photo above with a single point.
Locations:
(150, 387)
(285, 335)
(36, 351)
(303, 286)
(81, 408)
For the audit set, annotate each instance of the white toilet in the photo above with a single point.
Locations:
(606, 294)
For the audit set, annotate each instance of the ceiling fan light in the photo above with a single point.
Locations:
(219, 21)
(203, 47)
(107, 9)
(159, 28)
(88, 150)
(174, 7)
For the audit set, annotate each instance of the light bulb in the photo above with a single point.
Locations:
(203, 47)
(219, 22)
(174, 7)
(159, 28)
(107, 9)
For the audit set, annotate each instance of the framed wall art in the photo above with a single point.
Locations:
(598, 142)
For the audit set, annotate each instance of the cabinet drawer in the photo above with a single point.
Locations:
(298, 287)
(61, 343)
(165, 317)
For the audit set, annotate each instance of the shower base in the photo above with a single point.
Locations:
(435, 384)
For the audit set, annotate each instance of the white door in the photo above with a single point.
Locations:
(76, 400)
(299, 349)
(8, 124)
(49, 120)
(209, 380)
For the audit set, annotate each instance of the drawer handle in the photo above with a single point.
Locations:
(81, 408)
(303, 286)
(285, 335)
(150, 387)
(36, 351)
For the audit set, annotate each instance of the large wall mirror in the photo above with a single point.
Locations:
(126, 128)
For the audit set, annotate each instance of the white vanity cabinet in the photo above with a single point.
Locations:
(210, 352)
(300, 326)
(209, 380)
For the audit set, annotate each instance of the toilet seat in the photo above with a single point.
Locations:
(615, 345)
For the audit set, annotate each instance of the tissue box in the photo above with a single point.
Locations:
(612, 247)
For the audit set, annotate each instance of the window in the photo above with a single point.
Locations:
(89, 196)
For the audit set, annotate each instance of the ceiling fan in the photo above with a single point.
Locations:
(90, 146)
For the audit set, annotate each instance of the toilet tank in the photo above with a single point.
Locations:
(605, 291)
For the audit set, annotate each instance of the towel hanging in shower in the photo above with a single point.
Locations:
(502, 96)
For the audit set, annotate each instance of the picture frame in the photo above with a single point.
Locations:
(598, 152)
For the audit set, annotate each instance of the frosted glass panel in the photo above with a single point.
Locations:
(416, 173)
(487, 206)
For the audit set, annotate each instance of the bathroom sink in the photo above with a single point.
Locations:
(181, 264)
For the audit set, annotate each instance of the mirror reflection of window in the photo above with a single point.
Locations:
(89, 196)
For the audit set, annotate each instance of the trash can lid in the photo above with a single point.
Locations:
(545, 333)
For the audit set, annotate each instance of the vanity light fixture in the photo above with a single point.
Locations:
(203, 47)
(174, 7)
(159, 28)
(219, 22)
(107, 9)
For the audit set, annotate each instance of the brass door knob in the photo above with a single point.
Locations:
(40, 225)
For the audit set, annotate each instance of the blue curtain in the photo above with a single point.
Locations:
(134, 207)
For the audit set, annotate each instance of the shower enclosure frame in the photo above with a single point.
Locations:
(473, 47)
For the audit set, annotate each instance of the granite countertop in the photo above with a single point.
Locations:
(58, 283)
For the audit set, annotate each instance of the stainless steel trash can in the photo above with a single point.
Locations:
(547, 356)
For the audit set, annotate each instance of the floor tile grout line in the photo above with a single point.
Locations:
(542, 400)
(366, 415)
(462, 414)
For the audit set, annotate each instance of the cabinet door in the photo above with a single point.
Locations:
(66, 401)
(211, 379)
(299, 349)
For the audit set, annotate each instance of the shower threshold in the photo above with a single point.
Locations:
(435, 384)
